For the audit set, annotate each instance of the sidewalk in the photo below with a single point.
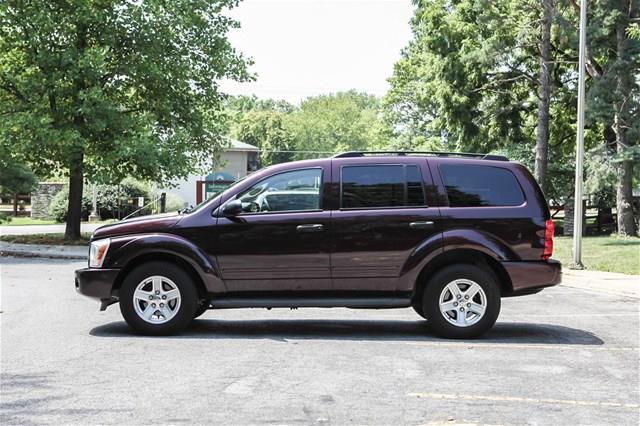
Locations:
(44, 229)
(37, 250)
(606, 282)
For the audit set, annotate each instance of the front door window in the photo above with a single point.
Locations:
(294, 191)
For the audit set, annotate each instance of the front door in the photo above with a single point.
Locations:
(280, 242)
(381, 218)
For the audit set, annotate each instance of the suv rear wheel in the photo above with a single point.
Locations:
(158, 299)
(461, 301)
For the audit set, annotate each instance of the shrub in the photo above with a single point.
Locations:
(112, 200)
(174, 202)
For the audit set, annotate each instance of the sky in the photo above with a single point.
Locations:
(304, 48)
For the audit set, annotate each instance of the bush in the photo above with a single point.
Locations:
(58, 206)
(174, 203)
(112, 200)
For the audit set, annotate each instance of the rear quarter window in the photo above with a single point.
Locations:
(480, 186)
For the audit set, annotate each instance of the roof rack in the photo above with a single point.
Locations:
(352, 154)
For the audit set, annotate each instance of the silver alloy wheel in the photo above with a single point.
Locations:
(463, 302)
(156, 299)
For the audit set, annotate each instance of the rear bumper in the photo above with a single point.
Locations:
(96, 283)
(530, 277)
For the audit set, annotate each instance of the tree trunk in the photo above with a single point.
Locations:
(15, 204)
(624, 188)
(624, 192)
(544, 96)
(74, 211)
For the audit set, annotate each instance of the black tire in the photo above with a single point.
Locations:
(183, 315)
(201, 310)
(418, 310)
(431, 301)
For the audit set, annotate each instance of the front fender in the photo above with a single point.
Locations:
(126, 249)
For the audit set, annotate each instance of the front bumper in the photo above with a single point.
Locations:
(96, 283)
(531, 277)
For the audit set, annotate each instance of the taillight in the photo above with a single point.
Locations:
(548, 240)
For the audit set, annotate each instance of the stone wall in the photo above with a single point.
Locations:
(41, 198)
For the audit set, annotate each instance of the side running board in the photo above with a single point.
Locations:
(307, 302)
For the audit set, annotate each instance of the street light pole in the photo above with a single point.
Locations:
(577, 210)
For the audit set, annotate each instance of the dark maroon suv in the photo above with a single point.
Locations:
(448, 234)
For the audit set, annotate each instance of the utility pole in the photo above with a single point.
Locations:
(577, 210)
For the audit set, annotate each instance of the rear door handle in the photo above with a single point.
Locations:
(314, 227)
(421, 225)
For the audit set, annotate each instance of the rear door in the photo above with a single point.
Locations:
(381, 217)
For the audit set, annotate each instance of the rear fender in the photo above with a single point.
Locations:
(473, 239)
(458, 239)
(419, 257)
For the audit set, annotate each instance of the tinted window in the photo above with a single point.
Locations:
(474, 186)
(381, 186)
(290, 191)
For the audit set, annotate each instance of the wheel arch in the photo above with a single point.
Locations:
(160, 257)
(459, 256)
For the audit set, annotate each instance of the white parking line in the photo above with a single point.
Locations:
(613, 314)
(430, 395)
(579, 347)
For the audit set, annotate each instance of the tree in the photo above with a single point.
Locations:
(613, 96)
(15, 179)
(544, 95)
(328, 124)
(107, 89)
(266, 130)
(467, 81)
(320, 126)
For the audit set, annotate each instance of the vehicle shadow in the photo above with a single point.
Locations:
(387, 330)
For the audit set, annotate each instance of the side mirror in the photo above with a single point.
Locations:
(232, 208)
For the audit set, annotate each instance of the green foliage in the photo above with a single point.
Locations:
(130, 85)
(174, 203)
(109, 89)
(16, 178)
(266, 130)
(112, 200)
(320, 126)
(463, 81)
(328, 124)
(468, 81)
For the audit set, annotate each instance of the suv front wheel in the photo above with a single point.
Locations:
(461, 301)
(158, 298)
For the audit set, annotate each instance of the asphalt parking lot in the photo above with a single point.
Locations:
(564, 356)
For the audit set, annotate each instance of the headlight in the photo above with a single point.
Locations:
(98, 252)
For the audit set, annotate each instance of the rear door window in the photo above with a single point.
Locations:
(480, 186)
(379, 186)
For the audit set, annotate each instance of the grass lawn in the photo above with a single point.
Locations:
(25, 220)
(47, 239)
(21, 221)
(610, 254)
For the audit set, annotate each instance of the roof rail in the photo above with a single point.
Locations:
(352, 154)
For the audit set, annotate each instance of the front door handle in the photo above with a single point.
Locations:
(314, 227)
(421, 225)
